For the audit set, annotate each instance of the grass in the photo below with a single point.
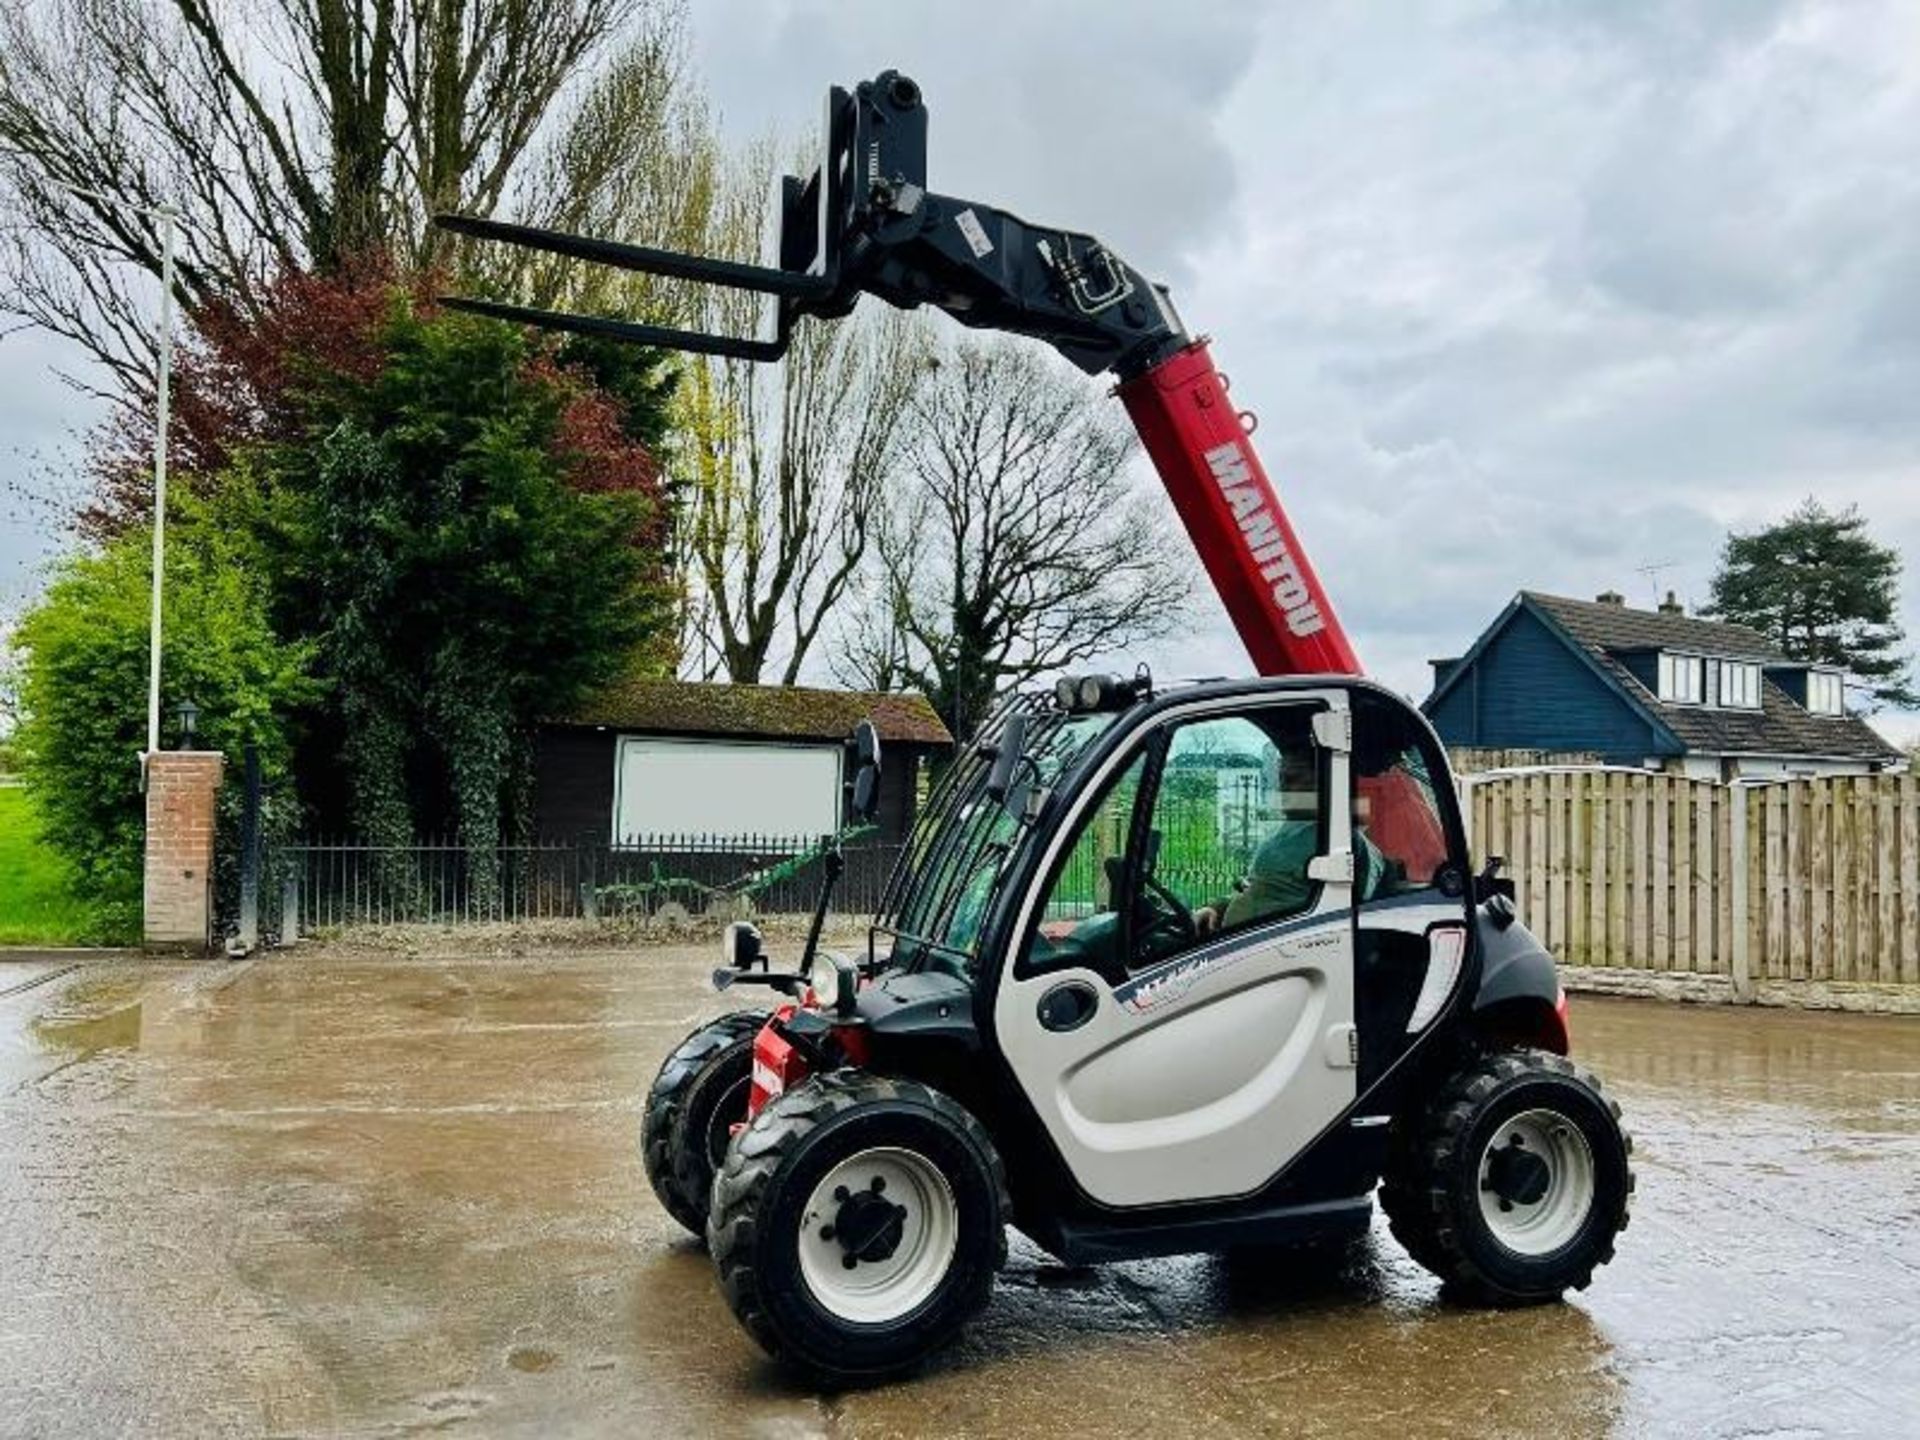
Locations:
(37, 907)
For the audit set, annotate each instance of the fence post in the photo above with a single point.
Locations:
(1742, 919)
(250, 853)
(289, 910)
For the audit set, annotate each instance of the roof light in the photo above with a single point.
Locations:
(1084, 693)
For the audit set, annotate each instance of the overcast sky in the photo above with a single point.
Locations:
(1524, 295)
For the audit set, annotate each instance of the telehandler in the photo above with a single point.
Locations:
(1163, 969)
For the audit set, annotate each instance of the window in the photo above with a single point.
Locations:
(1682, 679)
(1234, 822)
(1399, 839)
(1739, 685)
(1825, 693)
(1224, 843)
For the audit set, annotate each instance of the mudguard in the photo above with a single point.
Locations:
(1519, 999)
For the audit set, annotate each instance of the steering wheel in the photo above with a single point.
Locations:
(1172, 913)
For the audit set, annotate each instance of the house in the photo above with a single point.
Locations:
(1601, 681)
(652, 758)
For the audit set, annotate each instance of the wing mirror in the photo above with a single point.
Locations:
(1006, 758)
(866, 771)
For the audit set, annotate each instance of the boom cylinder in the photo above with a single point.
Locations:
(1223, 496)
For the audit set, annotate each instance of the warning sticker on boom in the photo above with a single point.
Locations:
(975, 232)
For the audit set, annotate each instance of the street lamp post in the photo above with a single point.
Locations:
(168, 217)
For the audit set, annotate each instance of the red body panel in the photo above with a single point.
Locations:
(777, 1065)
(1198, 444)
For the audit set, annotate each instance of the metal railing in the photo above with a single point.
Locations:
(329, 883)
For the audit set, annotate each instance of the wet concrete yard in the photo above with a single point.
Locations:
(377, 1196)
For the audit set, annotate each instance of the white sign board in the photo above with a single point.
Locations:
(725, 788)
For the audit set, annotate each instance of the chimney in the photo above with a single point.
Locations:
(1671, 606)
(1610, 597)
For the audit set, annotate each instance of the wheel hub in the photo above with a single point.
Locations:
(1516, 1175)
(867, 1226)
(878, 1235)
(1537, 1179)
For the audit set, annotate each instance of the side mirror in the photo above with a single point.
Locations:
(866, 771)
(741, 947)
(1013, 744)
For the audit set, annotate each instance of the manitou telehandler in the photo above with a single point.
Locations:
(1162, 970)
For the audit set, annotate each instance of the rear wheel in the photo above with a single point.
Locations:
(689, 1100)
(857, 1224)
(1514, 1183)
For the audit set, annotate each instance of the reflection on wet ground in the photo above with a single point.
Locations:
(377, 1196)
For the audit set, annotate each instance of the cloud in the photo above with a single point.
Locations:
(1525, 294)
(1540, 295)
(1098, 115)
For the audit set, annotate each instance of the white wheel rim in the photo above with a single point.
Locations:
(879, 1287)
(1541, 1225)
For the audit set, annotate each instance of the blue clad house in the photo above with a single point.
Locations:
(1656, 688)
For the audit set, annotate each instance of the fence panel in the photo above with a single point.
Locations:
(1635, 869)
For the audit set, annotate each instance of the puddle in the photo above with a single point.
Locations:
(532, 1359)
(93, 1015)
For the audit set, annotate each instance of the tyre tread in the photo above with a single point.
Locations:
(758, 1153)
(664, 1099)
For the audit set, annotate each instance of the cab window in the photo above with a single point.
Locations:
(1400, 838)
(1235, 820)
(1080, 918)
(1221, 843)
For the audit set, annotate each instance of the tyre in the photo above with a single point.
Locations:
(1513, 1184)
(676, 1133)
(857, 1225)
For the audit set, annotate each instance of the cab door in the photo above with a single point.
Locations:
(1180, 1006)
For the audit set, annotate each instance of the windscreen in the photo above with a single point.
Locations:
(945, 884)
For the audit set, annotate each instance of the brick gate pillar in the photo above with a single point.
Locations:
(181, 785)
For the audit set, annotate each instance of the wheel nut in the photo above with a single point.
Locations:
(879, 1184)
(840, 1193)
(826, 1232)
(847, 1262)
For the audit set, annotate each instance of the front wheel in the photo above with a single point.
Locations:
(700, 1090)
(1514, 1183)
(857, 1224)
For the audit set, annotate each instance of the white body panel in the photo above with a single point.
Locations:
(1202, 1077)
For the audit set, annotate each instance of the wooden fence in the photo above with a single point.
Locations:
(1799, 880)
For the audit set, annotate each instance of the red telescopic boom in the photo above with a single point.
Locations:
(1201, 449)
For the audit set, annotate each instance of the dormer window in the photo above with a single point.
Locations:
(1739, 684)
(1682, 679)
(1825, 694)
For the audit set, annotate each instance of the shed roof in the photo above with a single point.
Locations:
(779, 712)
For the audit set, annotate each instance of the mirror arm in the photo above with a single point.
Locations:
(836, 863)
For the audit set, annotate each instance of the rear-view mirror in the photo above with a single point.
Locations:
(866, 771)
(1006, 758)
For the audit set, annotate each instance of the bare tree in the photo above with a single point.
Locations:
(1023, 545)
(784, 468)
(296, 133)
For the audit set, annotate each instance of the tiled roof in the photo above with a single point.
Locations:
(1618, 627)
(783, 712)
(1779, 727)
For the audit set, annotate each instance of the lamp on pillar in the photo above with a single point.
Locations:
(189, 714)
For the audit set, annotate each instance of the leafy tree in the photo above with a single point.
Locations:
(462, 545)
(83, 688)
(1819, 586)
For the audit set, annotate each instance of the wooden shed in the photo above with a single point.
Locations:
(652, 758)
